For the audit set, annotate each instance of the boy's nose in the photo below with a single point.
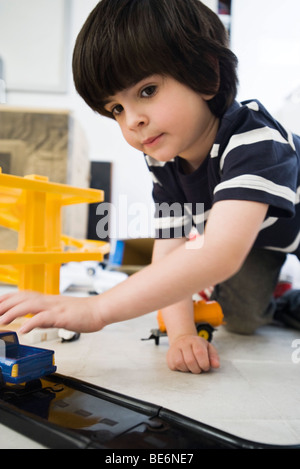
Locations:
(135, 119)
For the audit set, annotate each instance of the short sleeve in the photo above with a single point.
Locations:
(172, 215)
(260, 165)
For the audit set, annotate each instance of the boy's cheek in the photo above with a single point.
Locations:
(133, 142)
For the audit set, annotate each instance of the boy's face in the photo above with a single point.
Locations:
(164, 118)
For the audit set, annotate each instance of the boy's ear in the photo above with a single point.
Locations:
(208, 97)
(214, 63)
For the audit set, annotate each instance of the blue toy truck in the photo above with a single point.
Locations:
(22, 363)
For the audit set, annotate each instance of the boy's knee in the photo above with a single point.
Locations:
(240, 325)
(247, 298)
(244, 316)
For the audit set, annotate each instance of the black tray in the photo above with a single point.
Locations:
(62, 412)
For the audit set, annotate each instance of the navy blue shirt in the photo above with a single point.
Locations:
(253, 158)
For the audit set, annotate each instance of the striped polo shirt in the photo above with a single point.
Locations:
(253, 158)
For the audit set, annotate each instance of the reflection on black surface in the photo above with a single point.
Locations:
(107, 423)
(63, 412)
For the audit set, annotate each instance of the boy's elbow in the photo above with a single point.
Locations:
(230, 264)
(233, 267)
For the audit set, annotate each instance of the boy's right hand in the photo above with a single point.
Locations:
(191, 353)
(74, 314)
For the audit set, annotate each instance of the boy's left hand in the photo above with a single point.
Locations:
(190, 353)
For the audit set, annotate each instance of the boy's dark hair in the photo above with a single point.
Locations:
(124, 41)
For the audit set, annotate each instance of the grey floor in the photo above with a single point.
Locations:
(255, 394)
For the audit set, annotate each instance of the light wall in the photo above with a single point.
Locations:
(265, 36)
(131, 179)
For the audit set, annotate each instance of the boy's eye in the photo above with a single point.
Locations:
(148, 91)
(116, 110)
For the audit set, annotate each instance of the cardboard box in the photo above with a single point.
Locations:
(130, 255)
(47, 143)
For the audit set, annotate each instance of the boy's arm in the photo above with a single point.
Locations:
(230, 232)
(187, 351)
(162, 247)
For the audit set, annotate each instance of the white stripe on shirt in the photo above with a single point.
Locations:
(291, 248)
(201, 217)
(248, 138)
(251, 181)
(268, 222)
(152, 162)
(154, 179)
(297, 195)
(164, 223)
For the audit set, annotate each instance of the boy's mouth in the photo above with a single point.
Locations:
(152, 140)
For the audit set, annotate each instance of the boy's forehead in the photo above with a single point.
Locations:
(108, 99)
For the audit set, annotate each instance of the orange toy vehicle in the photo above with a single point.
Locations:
(207, 316)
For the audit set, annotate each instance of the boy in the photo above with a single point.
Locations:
(163, 71)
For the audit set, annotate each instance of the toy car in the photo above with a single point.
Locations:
(22, 363)
(207, 316)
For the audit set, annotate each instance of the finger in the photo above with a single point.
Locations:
(11, 300)
(7, 303)
(6, 296)
(213, 356)
(192, 362)
(21, 305)
(15, 312)
(18, 294)
(15, 294)
(200, 350)
(45, 319)
(176, 361)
